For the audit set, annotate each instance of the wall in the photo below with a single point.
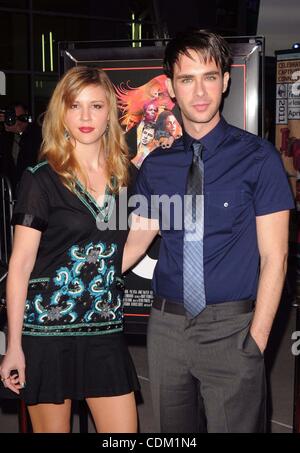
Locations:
(279, 22)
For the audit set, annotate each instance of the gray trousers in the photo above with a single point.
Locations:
(206, 373)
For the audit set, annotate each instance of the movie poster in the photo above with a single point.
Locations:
(149, 119)
(148, 110)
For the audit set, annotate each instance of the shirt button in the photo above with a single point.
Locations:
(226, 204)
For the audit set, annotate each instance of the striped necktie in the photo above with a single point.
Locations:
(193, 269)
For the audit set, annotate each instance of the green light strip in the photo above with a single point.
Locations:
(140, 34)
(133, 29)
(51, 51)
(43, 53)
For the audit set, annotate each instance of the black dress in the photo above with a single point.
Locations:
(73, 321)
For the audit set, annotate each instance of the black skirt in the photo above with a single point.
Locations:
(76, 367)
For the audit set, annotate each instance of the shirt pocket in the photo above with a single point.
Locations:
(223, 209)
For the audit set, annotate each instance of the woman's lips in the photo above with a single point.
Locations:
(86, 130)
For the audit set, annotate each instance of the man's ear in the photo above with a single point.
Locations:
(169, 85)
(226, 78)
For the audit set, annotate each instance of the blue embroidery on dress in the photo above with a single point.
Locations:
(71, 294)
(96, 286)
(103, 302)
(54, 312)
(104, 307)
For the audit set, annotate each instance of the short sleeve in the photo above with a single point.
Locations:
(273, 192)
(142, 199)
(32, 207)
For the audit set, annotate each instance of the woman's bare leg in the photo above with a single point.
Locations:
(114, 414)
(50, 418)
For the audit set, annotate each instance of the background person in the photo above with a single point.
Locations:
(19, 143)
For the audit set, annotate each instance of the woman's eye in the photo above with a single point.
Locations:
(97, 106)
(74, 106)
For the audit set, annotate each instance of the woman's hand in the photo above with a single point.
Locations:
(12, 370)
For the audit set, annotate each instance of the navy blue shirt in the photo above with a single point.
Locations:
(243, 178)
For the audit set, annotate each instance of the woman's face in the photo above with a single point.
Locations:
(87, 117)
(170, 124)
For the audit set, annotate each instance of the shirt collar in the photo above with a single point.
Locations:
(211, 141)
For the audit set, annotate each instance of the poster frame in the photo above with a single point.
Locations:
(248, 55)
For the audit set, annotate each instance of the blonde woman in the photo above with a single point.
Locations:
(64, 295)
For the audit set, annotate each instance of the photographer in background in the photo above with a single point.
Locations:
(20, 141)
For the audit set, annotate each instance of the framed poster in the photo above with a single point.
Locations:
(149, 117)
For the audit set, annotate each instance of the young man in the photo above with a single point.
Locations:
(205, 340)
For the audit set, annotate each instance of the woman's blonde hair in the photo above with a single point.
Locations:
(57, 147)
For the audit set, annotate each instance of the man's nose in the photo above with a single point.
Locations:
(200, 87)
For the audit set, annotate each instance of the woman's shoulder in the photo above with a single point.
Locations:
(41, 168)
(42, 174)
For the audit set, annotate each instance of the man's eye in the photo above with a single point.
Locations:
(211, 77)
(186, 80)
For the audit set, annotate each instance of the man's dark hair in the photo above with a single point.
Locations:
(149, 125)
(210, 46)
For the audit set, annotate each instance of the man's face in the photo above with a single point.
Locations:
(147, 135)
(151, 112)
(19, 126)
(198, 88)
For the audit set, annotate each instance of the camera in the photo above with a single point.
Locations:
(10, 117)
